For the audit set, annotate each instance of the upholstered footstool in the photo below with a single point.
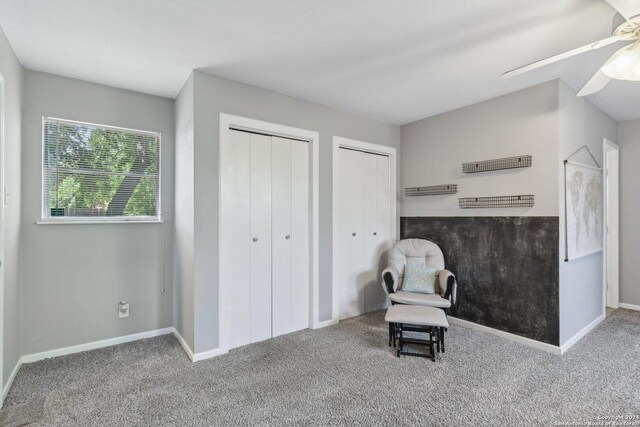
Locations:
(415, 318)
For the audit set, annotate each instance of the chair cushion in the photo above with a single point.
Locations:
(416, 315)
(434, 300)
(419, 278)
(415, 251)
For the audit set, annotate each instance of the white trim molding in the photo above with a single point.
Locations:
(581, 333)
(370, 148)
(9, 383)
(238, 122)
(610, 273)
(512, 337)
(196, 357)
(629, 306)
(34, 357)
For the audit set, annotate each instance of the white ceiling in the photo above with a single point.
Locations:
(395, 60)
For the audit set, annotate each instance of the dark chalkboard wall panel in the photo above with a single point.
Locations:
(507, 269)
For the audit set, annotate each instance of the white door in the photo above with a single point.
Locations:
(380, 235)
(245, 258)
(265, 250)
(290, 273)
(300, 231)
(260, 261)
(2, 216)
(364, 230)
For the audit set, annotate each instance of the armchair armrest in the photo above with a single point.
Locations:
(389, 280)
(448, 286)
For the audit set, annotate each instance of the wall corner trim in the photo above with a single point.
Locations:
(581, 333)
(9, 383)
(554, 349)
(196, 357)
(629, 306)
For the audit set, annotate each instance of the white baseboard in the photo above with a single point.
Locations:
(196, 357)
(629, 306)
(581, 333)
(513, 337)
(325, 323)
(29, 358)
(9, 383)
(183, 343)
(207, 354)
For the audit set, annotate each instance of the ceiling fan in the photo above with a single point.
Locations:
(622, 65)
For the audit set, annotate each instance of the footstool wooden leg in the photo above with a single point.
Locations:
(432, 346)
(442, 337)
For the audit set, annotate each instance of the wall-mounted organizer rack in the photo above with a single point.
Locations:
(431, 190)
(521, 201)
(497, 164)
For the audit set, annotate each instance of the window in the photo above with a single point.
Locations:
(99, 173)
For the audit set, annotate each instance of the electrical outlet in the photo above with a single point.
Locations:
(123, 309)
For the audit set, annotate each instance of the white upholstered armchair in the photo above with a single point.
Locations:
(419, 251)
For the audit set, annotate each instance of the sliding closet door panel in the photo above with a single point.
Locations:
(281, 208)
(300, 243)
(260, 225)
(368, 276)
(235, 193)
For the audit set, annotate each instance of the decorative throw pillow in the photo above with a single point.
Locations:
(419, 278)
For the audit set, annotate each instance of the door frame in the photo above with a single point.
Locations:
(2, 236)
(340, 142)
(611, 246)
(224, 294)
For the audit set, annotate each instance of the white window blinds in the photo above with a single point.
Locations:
(101, 172)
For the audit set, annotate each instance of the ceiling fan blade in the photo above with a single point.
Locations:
(626, 8)
(596, 84)
(564, 55)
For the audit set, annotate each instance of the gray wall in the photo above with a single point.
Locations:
(213, 95)
(13, 86)
(629, 141)
(506, 279)
(581, 282)
(75, 275)
(523, 122)
(183, 250)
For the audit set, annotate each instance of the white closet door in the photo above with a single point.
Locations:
(290, 274)
(364, 230)
(260, 225)
(354, 186)
(368, 281)
(381, 242)
(300, 242)
(345, 287)
(281, 208)
(235, 193)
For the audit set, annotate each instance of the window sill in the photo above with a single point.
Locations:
(76, 222)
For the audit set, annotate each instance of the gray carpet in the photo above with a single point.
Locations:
(341, 375)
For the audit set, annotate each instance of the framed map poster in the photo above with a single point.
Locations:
(583, 210)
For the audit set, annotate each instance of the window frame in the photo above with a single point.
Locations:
(44, 219)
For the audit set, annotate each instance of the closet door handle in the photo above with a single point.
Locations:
(255, 239)
(353, 234)
(287, 237)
